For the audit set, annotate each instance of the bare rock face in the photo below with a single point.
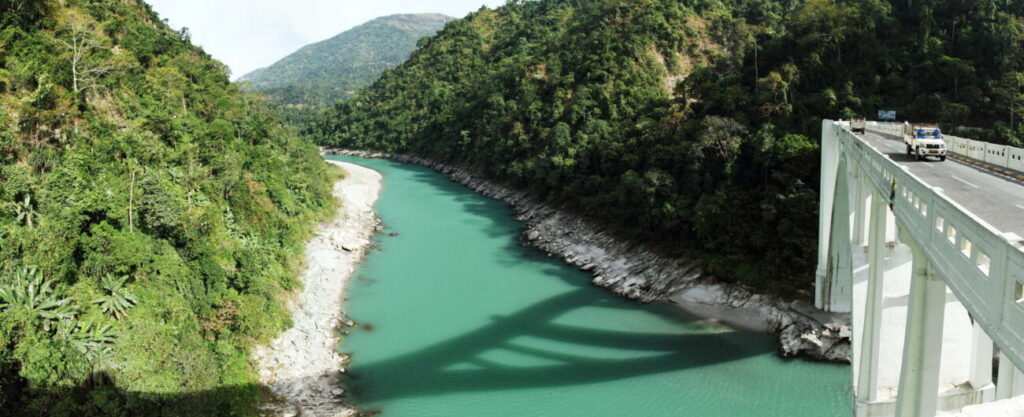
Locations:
(633, 271)
(822, 340)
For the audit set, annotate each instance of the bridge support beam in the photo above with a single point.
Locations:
(922, 348)
(1011, 379)
(981, 358)
(867, 380)
(829, 173)
(838, 291)
(861, 208)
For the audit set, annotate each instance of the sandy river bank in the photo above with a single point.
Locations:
(302, 366)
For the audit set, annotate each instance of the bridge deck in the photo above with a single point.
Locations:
(995, 199)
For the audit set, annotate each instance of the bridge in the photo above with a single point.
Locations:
(928, 258)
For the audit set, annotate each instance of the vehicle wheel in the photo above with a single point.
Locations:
(942, 158)
(910, 151)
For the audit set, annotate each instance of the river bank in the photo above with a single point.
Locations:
(302, 366)
(635, 272)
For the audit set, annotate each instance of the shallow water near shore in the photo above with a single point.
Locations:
(458, 319)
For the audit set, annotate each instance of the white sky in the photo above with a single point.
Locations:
(251, 34)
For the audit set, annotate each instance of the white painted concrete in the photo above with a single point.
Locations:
(1003, 408)
(829, 171)
(954, 372)
(837, 293)
(982, 351)
(1011, 380)
(922, 345)
(942, 365)
(871, 329)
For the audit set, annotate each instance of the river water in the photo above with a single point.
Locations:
(458, 319)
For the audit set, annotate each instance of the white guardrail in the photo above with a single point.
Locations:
(983, 267)
(999, 155)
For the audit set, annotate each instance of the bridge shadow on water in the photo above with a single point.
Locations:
(461, 364)
(535, 347)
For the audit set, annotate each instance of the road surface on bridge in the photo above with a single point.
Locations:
(996, 200)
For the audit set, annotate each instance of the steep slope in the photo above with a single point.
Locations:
(330, 70)
(690, 126)
(152, 217)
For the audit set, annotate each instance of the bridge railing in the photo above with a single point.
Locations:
(999, 155)
(983, 267)
(888, 129)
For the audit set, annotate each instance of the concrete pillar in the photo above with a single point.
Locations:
(860, 208)
(838, 290)
(1018, 383)
(826, 194)
(922, 348)
(981, 358)
(1011, 381)
(891, 234)
(867, 382)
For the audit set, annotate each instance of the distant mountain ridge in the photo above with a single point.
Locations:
(320, 73)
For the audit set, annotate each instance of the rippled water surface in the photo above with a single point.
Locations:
(457, 319)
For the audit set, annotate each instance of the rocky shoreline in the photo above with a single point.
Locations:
(633, 271)
(302, 367)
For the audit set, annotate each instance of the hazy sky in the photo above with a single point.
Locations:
(251, 34)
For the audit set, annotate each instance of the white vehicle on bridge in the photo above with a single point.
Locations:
(858, 126)
(923, 141)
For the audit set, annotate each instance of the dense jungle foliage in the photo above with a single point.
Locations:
(693, 124)
(319, 74)
(152, 216)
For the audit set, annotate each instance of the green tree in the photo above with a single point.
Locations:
(29, 296)
(116, 300)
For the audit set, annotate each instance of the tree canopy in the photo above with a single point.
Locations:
(152, 216)
(690, 125)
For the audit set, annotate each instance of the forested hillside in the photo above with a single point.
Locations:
(689, 124)
(324, 72)
(152, 216)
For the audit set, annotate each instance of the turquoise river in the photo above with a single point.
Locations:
(457, 318)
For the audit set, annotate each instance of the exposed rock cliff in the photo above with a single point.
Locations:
(631, 270)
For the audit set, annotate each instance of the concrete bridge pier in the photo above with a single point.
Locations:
(861, 208)
(1011, 379)
(982, 351)
(834, 276)
(922, 348)
(867, 383)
